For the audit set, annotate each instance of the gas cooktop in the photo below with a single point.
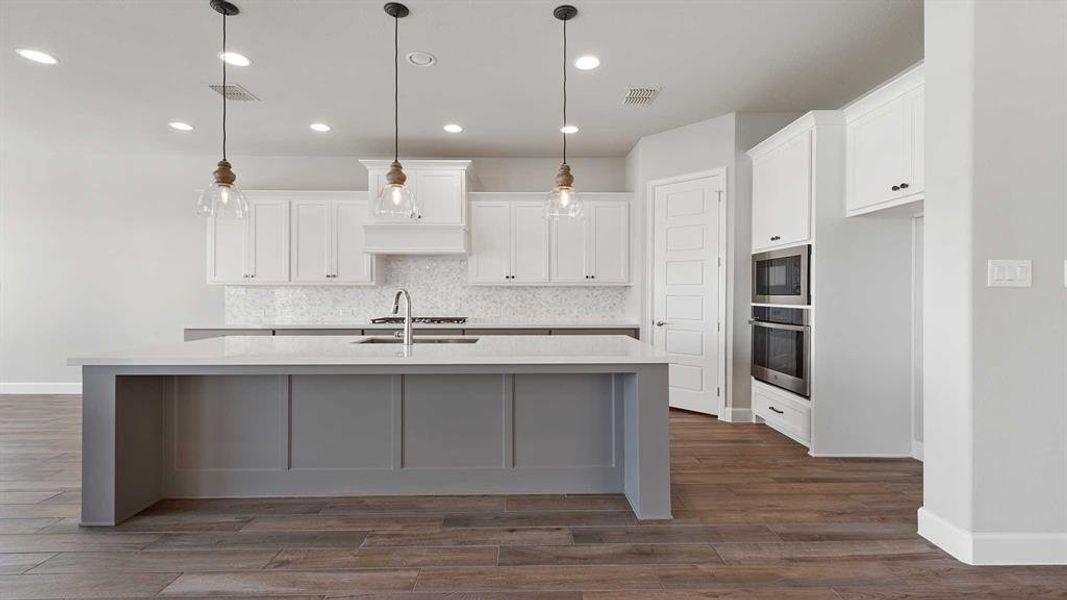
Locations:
(423, 320)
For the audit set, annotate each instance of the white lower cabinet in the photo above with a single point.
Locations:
(250, 250)
(307, 238)
(327, 241)
(785, 412)
(509, 243)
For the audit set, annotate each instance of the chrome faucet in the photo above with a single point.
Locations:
(408, 339)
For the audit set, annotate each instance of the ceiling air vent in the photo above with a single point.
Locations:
(234, 92)
(640, 96)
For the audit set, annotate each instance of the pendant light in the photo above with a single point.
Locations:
(395, 198)
(223, 198)
(563, 200)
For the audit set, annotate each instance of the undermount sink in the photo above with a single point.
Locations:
(418, 340)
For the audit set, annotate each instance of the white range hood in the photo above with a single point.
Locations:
(441, 227)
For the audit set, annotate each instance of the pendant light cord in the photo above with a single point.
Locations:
(396, 88)
(224, 86)
(564, 90)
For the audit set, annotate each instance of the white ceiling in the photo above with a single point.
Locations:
(128, 67)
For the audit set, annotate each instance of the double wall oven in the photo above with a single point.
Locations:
(781, 334)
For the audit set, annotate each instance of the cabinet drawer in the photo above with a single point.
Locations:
(782, 411)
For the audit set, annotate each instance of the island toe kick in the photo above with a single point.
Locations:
(154, 432)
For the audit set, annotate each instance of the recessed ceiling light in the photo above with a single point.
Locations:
(235, 59)
(421, 59)
(180, 126)
(587, 62)
(37, 56)
(569, 129)
(321, 127)
(453, 128)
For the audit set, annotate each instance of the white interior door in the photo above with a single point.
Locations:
(686, 303)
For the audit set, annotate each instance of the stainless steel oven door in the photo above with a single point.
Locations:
(781, 276)
(781, 355)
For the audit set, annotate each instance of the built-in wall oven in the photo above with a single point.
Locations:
(781, 347)
(781, 276)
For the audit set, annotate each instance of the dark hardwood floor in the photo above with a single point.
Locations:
(755, 518)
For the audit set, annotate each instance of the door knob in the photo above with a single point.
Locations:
(662, 323)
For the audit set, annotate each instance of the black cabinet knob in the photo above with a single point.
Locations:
(895, 188)
(903, 186)
(775, 238)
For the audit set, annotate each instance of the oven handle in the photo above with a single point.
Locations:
(756, 323)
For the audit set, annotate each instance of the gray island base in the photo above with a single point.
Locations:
(331, 416)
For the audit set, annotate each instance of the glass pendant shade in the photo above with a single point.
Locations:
(396, 198)
(223, 198)
(224, 201)
(563, 200)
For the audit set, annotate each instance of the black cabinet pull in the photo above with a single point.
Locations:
(781, 412)
(903, 186)
(895, 188)
(592, 277)
(775, 238)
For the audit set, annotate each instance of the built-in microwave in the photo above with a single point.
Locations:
(781, 276)
(781, 347)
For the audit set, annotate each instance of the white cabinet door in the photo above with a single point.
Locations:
(269, 241)
(311, 257)
(609, 242)
(878, 151)
(529, 244)
(764, 189)
(490, 259)
(790, 207)
(915, 179)
(439, 195)
(350, 263)
(227, 250)
(569, 251)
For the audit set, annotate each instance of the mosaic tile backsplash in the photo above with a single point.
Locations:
(438, 286)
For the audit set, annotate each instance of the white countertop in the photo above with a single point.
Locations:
(342, 350)
(470, 324)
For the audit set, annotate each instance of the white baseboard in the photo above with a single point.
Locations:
(60, 387)
(981, 548)
(736, 415)
(917, 450)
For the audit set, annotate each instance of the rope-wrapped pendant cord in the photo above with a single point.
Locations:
(564, 90)
(224, 86)
(396, 88)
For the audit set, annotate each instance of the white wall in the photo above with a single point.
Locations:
(710, 144)
(105, 251)
(995, 418)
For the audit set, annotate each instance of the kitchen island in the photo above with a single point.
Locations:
(338, 415)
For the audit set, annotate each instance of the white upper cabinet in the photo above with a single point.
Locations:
(307, 238)
(440, 225)
(609, 228)
(490, 258)
(509, 243)
(327, 239)
(250, 250)
(529, 243)
(782, 192)
(513, 244)
(595, 249)
(884, 139)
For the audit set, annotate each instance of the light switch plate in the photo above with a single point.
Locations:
(1009, 273)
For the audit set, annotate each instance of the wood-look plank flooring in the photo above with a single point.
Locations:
(756, 518)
